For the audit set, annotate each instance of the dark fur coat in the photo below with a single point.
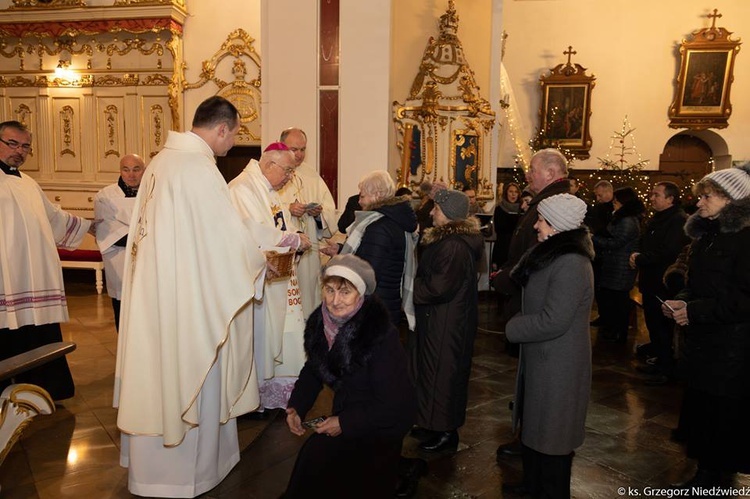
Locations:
(543, 254)
(365, 367)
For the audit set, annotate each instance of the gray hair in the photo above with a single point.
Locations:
(552, 159)
(378, 184)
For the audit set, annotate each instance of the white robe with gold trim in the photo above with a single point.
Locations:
(306, 186)
(185, 350)
(32, 228)
(279, 320)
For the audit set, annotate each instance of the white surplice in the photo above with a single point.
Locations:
(32, 228)
(192, 268)
(306, 186)
(112, 211)
(279, 319)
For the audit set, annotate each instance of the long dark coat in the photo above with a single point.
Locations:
(373, 397)
(661, 242)
(717, 339)
(554, 369)
(445, 301)
(613, 250)
(383, 245)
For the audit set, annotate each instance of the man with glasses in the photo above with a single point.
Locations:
(279, 320)
(312, 208)
(32, 294)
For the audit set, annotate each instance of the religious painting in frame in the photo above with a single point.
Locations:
(705, 79)
(466, 147)
(566, 109)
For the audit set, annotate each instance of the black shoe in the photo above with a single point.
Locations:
(410, 470)
(596, 322)
(511, 449)
(515, 490)
(702, 478)
(444, 441)
(411, 467)
(678, 436)
(422, 434)
(644, 351)
(649, 369)
(656, 380)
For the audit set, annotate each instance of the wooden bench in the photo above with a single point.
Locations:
(33, 358)
(84, 259)
(20, 403)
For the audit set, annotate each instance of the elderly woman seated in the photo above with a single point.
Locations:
(351, 347)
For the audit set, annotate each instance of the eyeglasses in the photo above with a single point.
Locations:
(16, 145)
(287, 171)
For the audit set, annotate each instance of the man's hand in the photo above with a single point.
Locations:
(297, 209)
(330, 427)
(633, 257)
(315, 210)
(331, 250)
(294, 422)
(92, 228)
(677, 310)
(304, 242)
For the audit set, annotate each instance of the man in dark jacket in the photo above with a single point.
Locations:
(597, 219)
(546, 177)
(661, 242)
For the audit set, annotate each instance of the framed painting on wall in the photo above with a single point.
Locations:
(566, 109)
(704, 80)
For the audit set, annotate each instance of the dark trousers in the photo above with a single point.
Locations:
(339, 467)
(614, 310)
(660, 330)
(53, 376)
(116, 308)
(546, 476)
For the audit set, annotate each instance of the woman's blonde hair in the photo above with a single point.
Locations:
(378, 184)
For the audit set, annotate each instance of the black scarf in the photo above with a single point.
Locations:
(130, 192)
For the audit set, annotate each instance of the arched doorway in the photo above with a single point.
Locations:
(688, 156)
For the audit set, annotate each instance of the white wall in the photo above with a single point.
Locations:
(205, 30)
(631, 48)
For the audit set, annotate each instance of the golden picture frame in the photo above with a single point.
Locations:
(704, 81)
(566, 109)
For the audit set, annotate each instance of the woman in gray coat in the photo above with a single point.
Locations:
(554, 369)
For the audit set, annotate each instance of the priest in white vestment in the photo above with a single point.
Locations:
(279, 318)
(113, 209)
(32, 294)
(185, 366)
(313, 211)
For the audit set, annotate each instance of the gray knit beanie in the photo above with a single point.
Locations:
(455, 204)
(563, 211)
(353, 269)
(736, 181)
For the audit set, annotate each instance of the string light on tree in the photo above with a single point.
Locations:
(618, 166)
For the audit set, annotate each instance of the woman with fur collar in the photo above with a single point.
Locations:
(714, 309)
(352, 348)
(554, 370)
(445, 301)
(616, 278)
(384, 234)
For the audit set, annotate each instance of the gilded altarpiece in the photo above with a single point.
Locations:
(93, 83)
(444, 125)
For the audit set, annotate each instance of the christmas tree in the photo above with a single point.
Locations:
(617, 167)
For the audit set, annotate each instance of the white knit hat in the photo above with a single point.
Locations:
(563, 211)
(736, 181)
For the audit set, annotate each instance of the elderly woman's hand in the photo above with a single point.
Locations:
(331, 250)
(294, 422)
(330, 427)
(677, 310)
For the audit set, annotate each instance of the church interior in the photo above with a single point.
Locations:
(459, 91)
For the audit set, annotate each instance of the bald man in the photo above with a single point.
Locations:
(313, 212)
(113, 209)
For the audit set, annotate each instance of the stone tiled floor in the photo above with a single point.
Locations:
(74, 453)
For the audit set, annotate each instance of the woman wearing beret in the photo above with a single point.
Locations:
(352, 347)
(714, 310)
(554, 369)
(445, 301)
